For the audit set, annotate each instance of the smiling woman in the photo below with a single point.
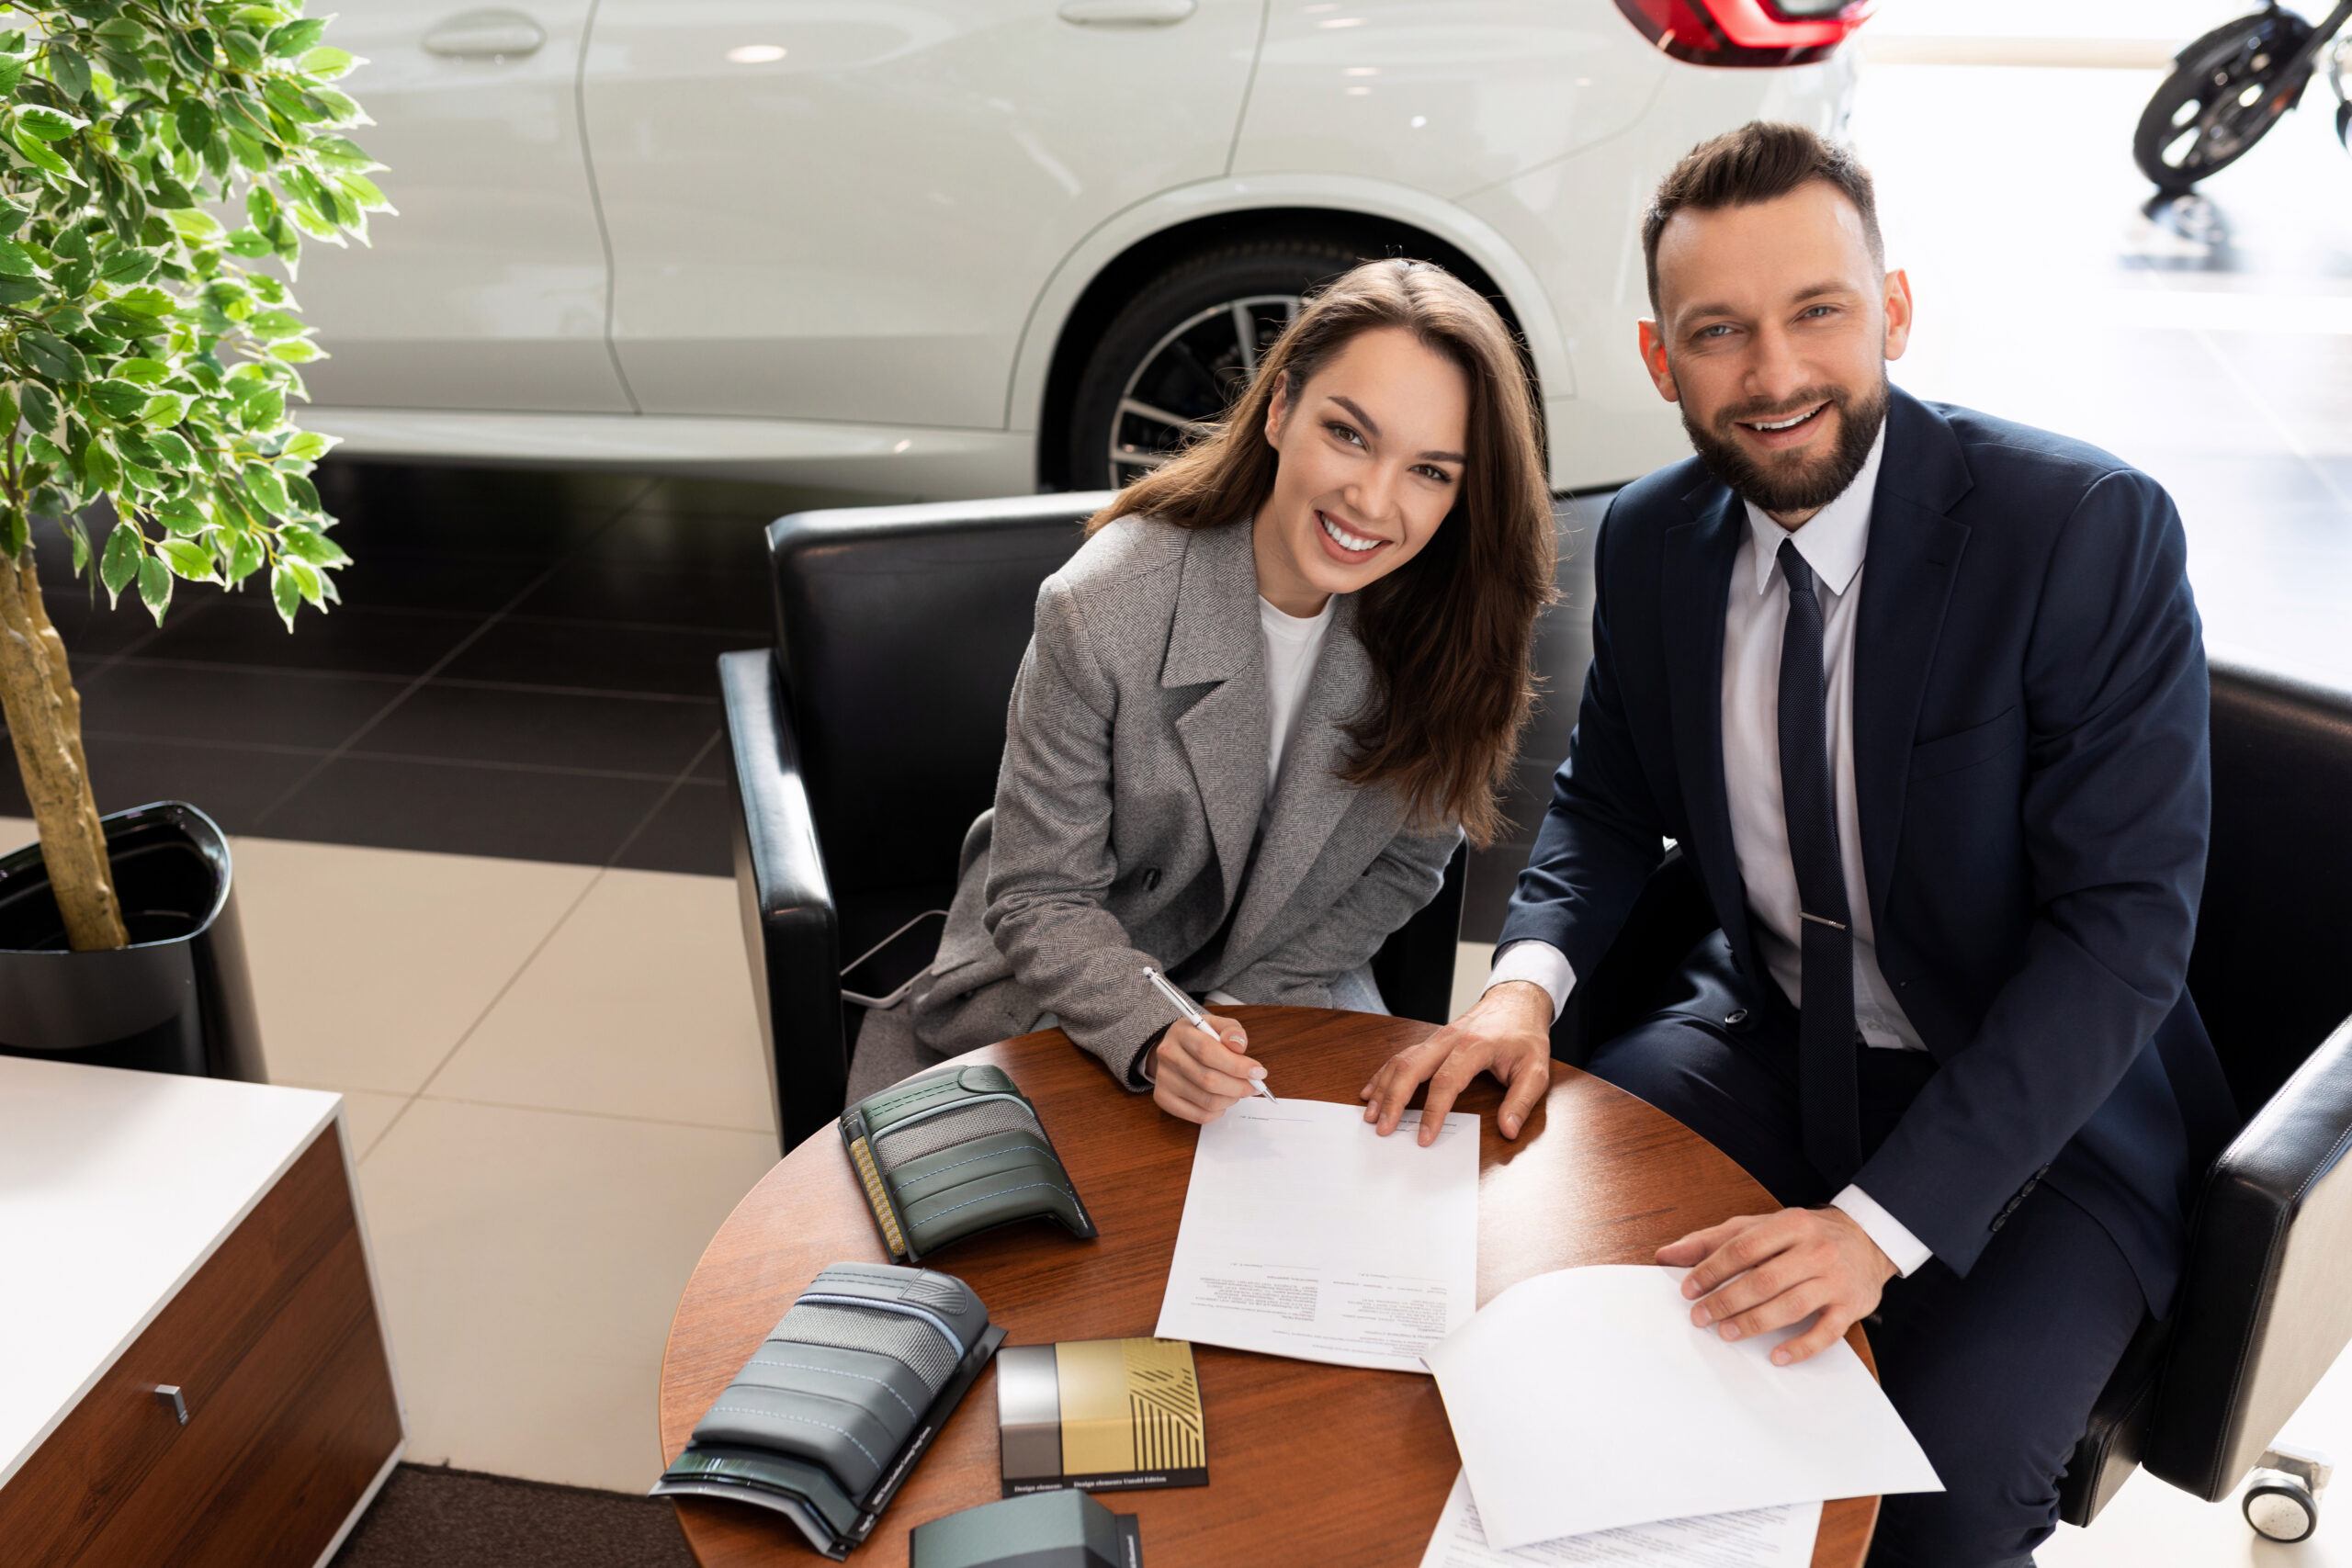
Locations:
(1262, 705)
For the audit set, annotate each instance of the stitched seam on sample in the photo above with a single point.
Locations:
(1007, 1192)
(962, 1163)
(883, 1383)
(804, 1420)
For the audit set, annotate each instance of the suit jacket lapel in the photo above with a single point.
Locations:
(1915, 550)
(1309, 797)
(1214, 641)
(1697, 581)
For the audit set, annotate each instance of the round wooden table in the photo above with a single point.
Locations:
(1307, 1463)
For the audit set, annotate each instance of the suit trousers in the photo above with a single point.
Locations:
(1996, 1372)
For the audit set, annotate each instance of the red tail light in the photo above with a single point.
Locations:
(1747, 32)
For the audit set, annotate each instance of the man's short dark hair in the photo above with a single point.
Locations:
(1759, 161)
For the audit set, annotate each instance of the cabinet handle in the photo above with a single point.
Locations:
(167, 1394)
(485, 35)
(1128, 13)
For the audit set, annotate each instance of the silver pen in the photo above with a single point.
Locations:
(1195, 1017)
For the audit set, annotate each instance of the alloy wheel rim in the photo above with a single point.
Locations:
(1191, 377)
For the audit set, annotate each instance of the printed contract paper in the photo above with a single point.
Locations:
(1307, 1234)
(1584, 1400)
(1761, 1538)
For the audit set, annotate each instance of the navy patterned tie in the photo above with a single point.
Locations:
(1826, 1064)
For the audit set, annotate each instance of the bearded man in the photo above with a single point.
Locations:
(1922, 695)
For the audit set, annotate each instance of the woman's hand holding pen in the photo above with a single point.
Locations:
(1198, 1075)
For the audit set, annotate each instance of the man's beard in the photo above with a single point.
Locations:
(1796, 486)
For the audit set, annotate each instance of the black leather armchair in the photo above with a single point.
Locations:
(866, 743)
(2266, 1302)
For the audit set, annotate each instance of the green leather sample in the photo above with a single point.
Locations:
(830, 1415)
(954, 1152)
(1050, 1529)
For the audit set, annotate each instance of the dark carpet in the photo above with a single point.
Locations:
(432, 1518)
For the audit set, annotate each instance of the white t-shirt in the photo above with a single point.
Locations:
(1293, 644)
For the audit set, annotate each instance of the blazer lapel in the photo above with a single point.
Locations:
(1915, 550)
(1309, 798)
(1696, 583)
(1214, 641)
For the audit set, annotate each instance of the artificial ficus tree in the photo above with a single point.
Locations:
(147, 349)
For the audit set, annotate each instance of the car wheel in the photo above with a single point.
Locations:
(1173, 360)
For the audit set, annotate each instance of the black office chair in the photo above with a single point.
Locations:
(866, 743)
(2265, 1306)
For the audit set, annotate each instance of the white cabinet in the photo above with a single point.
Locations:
(488, 290)
(844, 209)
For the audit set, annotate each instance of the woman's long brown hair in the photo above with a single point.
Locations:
(1451, 631)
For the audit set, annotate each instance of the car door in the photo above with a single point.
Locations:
(488, 289)
(843, 209)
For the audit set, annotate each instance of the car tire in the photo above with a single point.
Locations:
(1176, 357)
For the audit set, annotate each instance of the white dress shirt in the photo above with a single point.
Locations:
(1832, 543)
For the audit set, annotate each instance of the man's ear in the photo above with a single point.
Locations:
(1898, 313)
(1653, 342)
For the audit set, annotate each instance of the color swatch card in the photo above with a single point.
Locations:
(1307, 1234)
(1100, 1415)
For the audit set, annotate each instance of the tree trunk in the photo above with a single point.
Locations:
(45, 724)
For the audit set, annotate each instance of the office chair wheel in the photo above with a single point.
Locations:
(2282, 1495)
(2281, 1509)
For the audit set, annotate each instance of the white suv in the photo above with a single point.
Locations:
(950, 248)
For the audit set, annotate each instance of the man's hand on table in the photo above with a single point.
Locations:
(1766, 1271)
(1507, 1034)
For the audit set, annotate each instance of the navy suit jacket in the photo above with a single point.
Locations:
(2031, 765)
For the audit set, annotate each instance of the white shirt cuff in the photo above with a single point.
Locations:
(1540, 962)
(1902, 1250)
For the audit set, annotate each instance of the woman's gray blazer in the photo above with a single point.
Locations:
(1126, 813)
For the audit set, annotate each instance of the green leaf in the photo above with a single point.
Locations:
(296, 39)
(250, 243)
(190, 560)
(192, 119)
(12, 71)
(126, 267)
(48, 124)
(285, 591)
(68, 68)
(326, 64)
(80, 542)
(14, 534)
(194, 224)
(306, 543)
(268, 489)
(40, 156)
(306, 577)
(165, 408)
(307, 447)
(144, 301)
(175, 452)
(73, 280)
(18, 262)
(271, 325)
(305, 497)
(121, 563)
(245, 556)
(121, 399)
(50, 355)
(181, 514)
(154, 587)
(42, 412)
(146, 372)
(297, 351)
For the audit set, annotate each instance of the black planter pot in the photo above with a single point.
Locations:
(178, 1000)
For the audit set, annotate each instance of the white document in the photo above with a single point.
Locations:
(1584, 1400)
(1761, 1538)
(1307, 1234)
